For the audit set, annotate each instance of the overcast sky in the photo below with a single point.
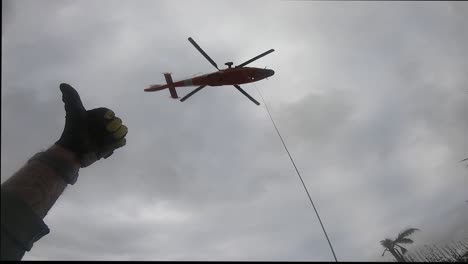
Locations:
(370, 97)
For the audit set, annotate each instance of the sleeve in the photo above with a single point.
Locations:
(20, 227)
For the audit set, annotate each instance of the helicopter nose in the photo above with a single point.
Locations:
(270, 73)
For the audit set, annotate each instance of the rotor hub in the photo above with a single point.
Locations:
(229, 64)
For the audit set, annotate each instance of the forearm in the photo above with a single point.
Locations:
(28, 195)
(38, 184)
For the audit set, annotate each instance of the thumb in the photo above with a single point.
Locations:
(71, 98)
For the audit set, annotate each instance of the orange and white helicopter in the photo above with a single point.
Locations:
(228, 76)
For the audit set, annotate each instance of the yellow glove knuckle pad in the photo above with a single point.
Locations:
(109, 115)
(121, 132)
(121, 143)
(114, 125)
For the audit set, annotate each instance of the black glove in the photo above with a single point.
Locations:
(92, 134)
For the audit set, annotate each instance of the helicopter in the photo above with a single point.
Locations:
(228, 76)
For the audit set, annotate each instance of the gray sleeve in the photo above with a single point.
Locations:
(20, 227)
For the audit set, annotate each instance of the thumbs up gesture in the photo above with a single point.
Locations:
(90, 135)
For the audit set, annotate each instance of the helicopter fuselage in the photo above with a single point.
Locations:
(228, 76)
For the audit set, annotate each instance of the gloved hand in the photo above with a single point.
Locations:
(92, 134)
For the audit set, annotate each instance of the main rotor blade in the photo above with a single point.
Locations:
(246, 94)
(192, 93)
(203, 53)
(256, 58)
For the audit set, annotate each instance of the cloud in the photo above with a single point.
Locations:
(370, 98)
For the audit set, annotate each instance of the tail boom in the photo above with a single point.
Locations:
(156, 87)
(171, 85)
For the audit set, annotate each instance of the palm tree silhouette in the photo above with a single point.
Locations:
(391, 245)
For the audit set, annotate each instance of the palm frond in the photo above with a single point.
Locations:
(403, 250)
(404, 240)
(387, 243)
(464, 160)
(406, 233)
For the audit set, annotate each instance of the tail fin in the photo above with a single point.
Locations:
(159, 87)
(170, 84)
